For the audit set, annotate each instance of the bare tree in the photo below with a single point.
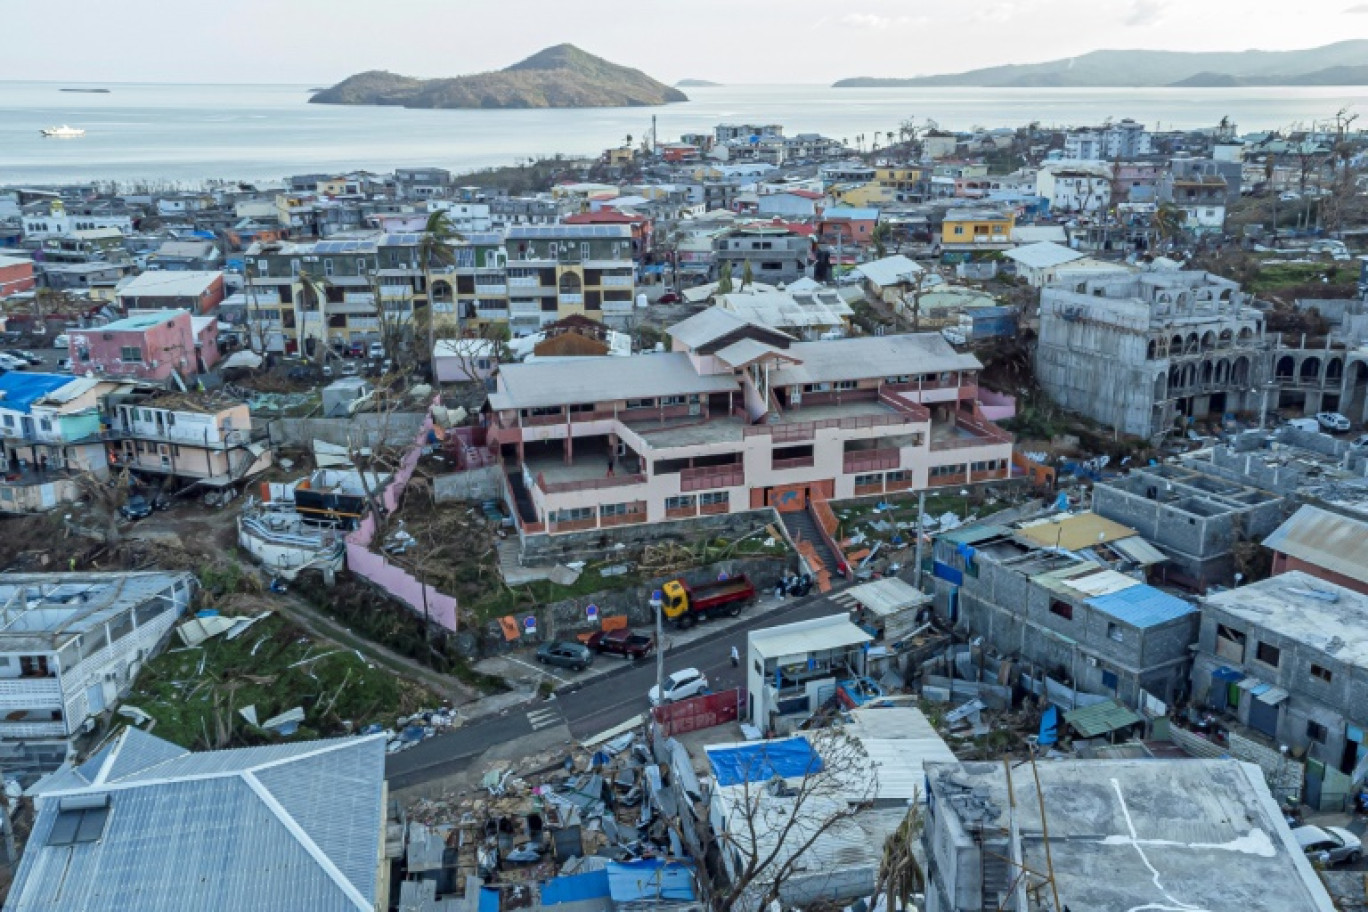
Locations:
(900, 874)
(910, 301)
(772, 823)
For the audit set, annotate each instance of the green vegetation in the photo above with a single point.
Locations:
(195, 694)
(557, 77)
(1273, 277)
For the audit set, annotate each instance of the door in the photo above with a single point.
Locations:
(790, 499)
(1263, 717)
(95, 699)
(27, 425)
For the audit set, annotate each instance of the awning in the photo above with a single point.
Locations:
(1273, 696)
(1139, 550)
(1101, 718)
(1250, 684)
(1225, 673)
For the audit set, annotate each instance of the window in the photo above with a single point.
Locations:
(900, 475)
(713, 497)
(80, 819)
(1230, 643)
(846, 384)
(45, 424)
(1321, 672)
(639, 403)
(130, 353)
(862, 480)
(672, 400)
(1268, 654)
(1061, 609)
(679, 503)
(1114, 632)
(1316, 732)
(577, 513)
(617, 509)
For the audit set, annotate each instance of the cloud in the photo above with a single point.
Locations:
(873, 21)
(1358, 9)
(1146, 12)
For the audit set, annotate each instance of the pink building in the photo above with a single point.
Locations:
(147, 346)
(738, 417)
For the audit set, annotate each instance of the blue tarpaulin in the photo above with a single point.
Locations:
(948, 573)
(1049, 727)
(761, 762)
(649, 879)
(1228, 674)
(575, 888)
(489, 900)
(20, 390)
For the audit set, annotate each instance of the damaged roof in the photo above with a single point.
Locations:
(1324, 539)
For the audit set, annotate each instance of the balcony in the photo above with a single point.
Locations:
(496, 288)
(798, 462)
(613, 281)
(713, 509)
(861, 461)
(571, 300)
(945, 481)
(524, 282)
(587, 484)
(636, 515)
(709, 478)
(967, 432)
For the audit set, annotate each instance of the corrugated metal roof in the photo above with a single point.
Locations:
(1142, 606)
(1073, 531)
(1100, 718)
(1043, 255)
(890, 270)
(1139, 550)
(802, 637)
(888, 596)
(704, 327)
(743, 352)
(605, 379)
(872, 356)
(1337, 543)
(972, 535)
(19, 390)
(650, 879)
(284, 827)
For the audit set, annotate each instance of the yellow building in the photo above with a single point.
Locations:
(862, 196)
(969, 228)
(899, 179)
(619, 157)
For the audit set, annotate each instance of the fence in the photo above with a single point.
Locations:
(698, 713)
(373, 567)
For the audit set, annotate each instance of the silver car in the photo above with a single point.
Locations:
(1329, 845)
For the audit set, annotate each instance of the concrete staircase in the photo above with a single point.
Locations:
(521, 498)
(802, 528)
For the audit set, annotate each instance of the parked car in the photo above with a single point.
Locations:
(377, 350)
(668, 297)
(350, 370)
(682, 684)
(138, 507)
(356, 350)
(26, 356)
(1360, 442)
(1331, 845)
(1332, 421)
(13, 364)
(300, 372)
(62, 341)
(566, 655)
(66, 365)
(622, 642)
(1310, 425)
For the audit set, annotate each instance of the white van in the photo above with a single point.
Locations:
(1305, 424)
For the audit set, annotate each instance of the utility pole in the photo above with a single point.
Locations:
(659, 605)
(921, 530)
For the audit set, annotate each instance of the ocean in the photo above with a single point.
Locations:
(182, 135)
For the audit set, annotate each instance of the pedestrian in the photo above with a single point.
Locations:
(610, 465)
(735, 657)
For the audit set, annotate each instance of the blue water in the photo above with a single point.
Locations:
(185, 134)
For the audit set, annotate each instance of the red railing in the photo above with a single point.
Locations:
(542, 420)
(681, 512)
(940, 481)
(859, 461)
(912, 410)
(587, 484)
(865, 489)
(985, 434)
(798, 462)
(624, 519)
(595, 415)
(908, 413)
(705, 478)
(891, 486)
(713, 508)
(989, 475)
(574, 525)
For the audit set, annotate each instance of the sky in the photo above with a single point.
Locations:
(318, 42)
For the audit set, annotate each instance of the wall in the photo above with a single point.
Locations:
(474, 484)
(547, 549)
(398, 428)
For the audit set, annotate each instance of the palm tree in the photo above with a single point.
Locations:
(1168, 221)
(882, 232)
(724, 278)
(434, 252)
(747, 277)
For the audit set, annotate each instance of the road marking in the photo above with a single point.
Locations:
(843, 600)
(539, 669)
(543, 718)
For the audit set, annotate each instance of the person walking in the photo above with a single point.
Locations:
(735, 657)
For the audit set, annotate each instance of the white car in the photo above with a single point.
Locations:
(1332, 421)
(682, 684)
(377, 350)
(1330, 845)
(62, 341)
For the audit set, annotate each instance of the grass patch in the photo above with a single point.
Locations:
(1279, 276)
(195, 694)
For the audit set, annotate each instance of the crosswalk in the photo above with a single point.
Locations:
(844, 599)
(543, 718)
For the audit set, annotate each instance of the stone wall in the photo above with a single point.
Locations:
(541, 549)
(473, 484)
(366, 429)
(565, 619)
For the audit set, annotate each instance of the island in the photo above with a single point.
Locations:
(697, 84)
(559, 77)
(1342, 63)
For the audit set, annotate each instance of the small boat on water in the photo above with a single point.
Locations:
(87, 91)
(63, 132)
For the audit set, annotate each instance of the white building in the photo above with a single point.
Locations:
(71, 645)
(1075, 186)
(464, 218)
(1125, 139)
(57, 221)
(794, 668)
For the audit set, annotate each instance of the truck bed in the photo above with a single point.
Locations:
(722, 588)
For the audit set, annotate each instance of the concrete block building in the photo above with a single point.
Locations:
(1137, 352)
(1288, 658)
(1064, 616)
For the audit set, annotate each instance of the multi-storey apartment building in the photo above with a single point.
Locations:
(49, 436)
(558, 270)
(71, 645)
(185, 436)
(775, 254)
(738, 417)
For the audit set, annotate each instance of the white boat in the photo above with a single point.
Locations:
(63, 132)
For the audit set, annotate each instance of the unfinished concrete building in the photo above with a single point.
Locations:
(1074, 625)
(1136, 352)
(1195, 517)
(1111, 835)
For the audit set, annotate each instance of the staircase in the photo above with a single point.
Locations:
(527, 513)
(995, 874)
(802, 528)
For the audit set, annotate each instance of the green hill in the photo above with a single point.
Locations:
(1345, 60)
(559, 77)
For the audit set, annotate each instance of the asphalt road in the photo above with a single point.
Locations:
(599, 704)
